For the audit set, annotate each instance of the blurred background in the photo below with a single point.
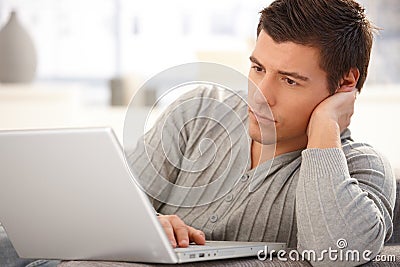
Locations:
(90, 56)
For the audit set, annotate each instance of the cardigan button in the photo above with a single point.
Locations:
(214, 218)
(244, 177)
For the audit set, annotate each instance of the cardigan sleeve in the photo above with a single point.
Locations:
(344, 202)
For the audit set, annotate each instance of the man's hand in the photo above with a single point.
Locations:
(179, 233)
(330, 118)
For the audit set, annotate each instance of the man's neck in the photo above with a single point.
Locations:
(261, 153)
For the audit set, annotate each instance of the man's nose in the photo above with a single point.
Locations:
(264, 93)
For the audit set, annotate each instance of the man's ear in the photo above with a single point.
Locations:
(350, 79)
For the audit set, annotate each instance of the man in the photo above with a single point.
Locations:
(311, 185)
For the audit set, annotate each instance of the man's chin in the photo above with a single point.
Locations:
(263, 139)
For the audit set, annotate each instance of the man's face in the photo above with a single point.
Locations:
(290, 80)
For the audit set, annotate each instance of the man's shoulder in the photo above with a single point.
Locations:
(360, 154)
(352, 148)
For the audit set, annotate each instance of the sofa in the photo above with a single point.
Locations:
(391, 248)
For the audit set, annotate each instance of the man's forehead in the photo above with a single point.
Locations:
(286, 56)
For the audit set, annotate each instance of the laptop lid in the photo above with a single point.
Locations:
(67, 194)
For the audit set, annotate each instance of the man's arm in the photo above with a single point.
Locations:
(155, 163)
(341, 198)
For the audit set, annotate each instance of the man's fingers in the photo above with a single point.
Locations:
(196, 236)
(169, 230)
(350, 90)
(181, 231)
(344, 89)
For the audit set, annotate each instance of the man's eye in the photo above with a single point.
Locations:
(290, 81)
(257, 68)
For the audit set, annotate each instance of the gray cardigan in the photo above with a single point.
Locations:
(195, 163)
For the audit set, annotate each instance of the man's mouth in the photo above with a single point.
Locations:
(261, 118)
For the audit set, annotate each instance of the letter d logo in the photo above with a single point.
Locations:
(262, 253)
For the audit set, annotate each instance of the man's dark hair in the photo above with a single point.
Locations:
(338, 28)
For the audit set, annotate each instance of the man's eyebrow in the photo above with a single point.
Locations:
(294, 75)
(254, 60)
(286, 73)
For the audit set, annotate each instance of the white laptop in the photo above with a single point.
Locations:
(68, 194)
